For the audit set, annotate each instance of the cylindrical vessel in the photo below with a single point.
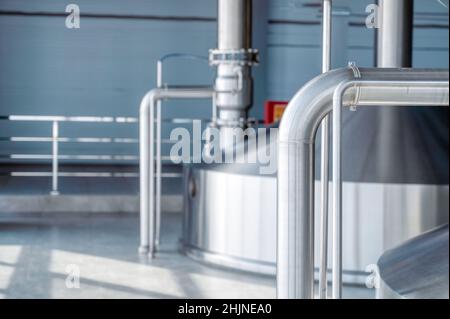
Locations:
(231, 216)
(417, 269)
(395, 172)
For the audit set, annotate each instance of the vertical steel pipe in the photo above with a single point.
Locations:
(394, 50)
(234, 58)
(55, 164)
(146, 176)
(326, 36)
(337, 199)
(234, 18)
(159, 84)
(394, 37)
(158, 175)
(147, 158)
(324, 167)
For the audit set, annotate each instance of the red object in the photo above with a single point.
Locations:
(273, 111)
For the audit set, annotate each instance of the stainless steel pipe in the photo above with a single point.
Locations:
(324, 167)
(55, 158)
(233, 82)
(234, 59)
(436, 89)
(234, 24)
(295, 256)
(160, 85)
(232, 96)
(147, 156)
(394, 37)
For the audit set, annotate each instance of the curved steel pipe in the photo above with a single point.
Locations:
(295, 261)
(147, 157)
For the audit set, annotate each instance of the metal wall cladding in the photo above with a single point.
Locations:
(105, 67)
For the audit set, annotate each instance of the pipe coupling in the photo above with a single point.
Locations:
(244, 57)
(357, 74)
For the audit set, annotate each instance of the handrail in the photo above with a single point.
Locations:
(55, 139)
(58, 118)
(89, 119)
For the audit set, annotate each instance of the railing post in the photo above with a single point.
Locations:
(55, 135)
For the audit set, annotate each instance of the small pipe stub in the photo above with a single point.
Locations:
(248, 57)
(357, 74)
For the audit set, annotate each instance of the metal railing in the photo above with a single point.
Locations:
(55, 139)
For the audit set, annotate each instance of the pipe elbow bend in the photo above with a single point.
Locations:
(147, 100)
(309, 105)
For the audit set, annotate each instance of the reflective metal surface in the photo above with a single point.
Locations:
(394, 37)
(231, 95)
(149, 208)
(418, 269)
(230, 209)
(234, 59)
(298, 127)
(439, 87)
(230, 219)
(324, 156)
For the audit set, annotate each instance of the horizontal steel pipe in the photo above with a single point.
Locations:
(147, 157)
(295, 261)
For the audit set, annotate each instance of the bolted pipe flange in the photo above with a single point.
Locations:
(244, 57)
(240, 122)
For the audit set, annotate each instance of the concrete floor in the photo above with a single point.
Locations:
(38, 250)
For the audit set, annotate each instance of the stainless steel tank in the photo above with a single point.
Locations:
(418, 269)
(395, 172)
(230, 215)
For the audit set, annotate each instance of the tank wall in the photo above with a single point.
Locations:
(234, 216)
